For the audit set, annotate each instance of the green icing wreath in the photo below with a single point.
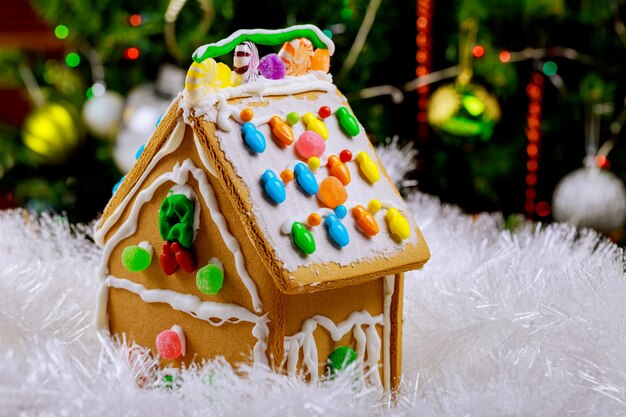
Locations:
(176, 219)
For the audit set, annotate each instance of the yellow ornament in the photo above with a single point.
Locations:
(51, 132)
(368, 167)
(315, 124)
(398, 224)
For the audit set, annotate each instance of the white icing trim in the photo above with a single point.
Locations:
(188, 192)
(212, 312)
(147, 246)
(179, 175)
(181, 336)
(367, 342)
(389, 282)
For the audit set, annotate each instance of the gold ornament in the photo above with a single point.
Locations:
(51, 132)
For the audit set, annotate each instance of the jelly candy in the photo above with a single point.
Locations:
(332, 192)
(324, 112)
(210, 278)
(140, 151)
(253, 137)
(310, 144)
(167, 259)
(305, 178)
(293, 118)
(374, 205)
(286, 176)
(398, 224)
(246, 62)
(345, 156)
(320, 60)
(184, 257)
(302, 238)
(272, 67)
(117, 185)
(368, 167)
(315, 124)
(347, 121)
(338, 169)
(246, 114)
(136, 258)
(314, 219)
(281, 130)
(339, 359)
(224, 76)
(314, 163)
(297, 55)
(365, 220)
(341, 211)
(171, 343)
(337, 231)
(273, 187)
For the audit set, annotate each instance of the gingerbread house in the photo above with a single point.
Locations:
(258, 223)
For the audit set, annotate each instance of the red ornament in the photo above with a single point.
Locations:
(167, 259)
(131, 53)
(345, 156)
(184, 257)
(324, 112)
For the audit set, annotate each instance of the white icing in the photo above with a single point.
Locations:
(320, 34)
(179, 175)
(367, 343)
(212, 312)
(181, 336)
(270, 217)
(389, 282)
(215, 261)
(147, 246)
(188, 192)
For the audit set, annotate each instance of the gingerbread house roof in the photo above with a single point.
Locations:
(255, 162)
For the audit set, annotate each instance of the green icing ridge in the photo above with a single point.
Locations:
(176, 219)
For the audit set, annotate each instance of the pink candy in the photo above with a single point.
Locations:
(272, 67)
(310, 144)
(171, 343)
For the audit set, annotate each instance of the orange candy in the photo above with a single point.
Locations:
(281, 130)
(332, 192)
(320, 60)
(338, 169)
(246, 114)
(286, 176)
(314, 219)
(365, 220)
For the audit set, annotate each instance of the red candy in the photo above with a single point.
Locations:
(184, 257)
(310, 144)
(168, 259)
(169, 344)
(324, 112)
(345, 156)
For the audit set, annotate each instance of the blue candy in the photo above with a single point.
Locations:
(253, 138)
(305, 178)
(116, 186)
(159, 120)
(273, 186)
(139, 151)
(337, 231)
(341, 211)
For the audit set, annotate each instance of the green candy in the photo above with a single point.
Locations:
(135, 258)
(293, 118)
(268, 37)
(348, 121)
(340, 358)
(302, 238)
(176, 219)
(210, 279)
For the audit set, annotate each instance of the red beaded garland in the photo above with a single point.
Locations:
(324, 112)
(345, 156)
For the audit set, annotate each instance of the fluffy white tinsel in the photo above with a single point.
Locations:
(530, 323)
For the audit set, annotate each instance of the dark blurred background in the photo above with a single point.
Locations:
(511, 95)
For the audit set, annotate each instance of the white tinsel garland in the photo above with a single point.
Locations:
(498, 323)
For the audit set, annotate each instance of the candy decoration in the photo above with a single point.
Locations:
(324, 112)
(171, 343)
(281, 130)
(246, 62)
(167, 259)
(345, 156)
(315, 124)
(365, 220)
(302, 238)
(253, 137)
(140, 151)
(293, 118)
(273, 186)
(136, 258)
(314, 163)
(339, 359)
(338, 169)
(272, 67)
(348, 121)
(224, 76)
(305, 179)
(332, 192)
(320, 61)
(341, 211)
(176, 217)
(201, 75)
(296, 55)
(246, 114)
(286, 176)
(310, 144)
(184, 258)
(398, 224)
(314, 219)
(337, 231)
(117, 184)
(374, 205)
(368, 167)
(210, 278)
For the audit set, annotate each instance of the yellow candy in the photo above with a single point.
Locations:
(224, 76)
(315, 124)
(398, 224)
(201, 74)
(374, 205)
(368, 167)
(314, 163)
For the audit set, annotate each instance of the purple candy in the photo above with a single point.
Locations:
(272, 67)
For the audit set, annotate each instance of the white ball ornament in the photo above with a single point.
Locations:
(103, 115)
(591, 197)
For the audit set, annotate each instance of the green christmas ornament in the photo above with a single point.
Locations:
(302, 238)
(137, 258)
(463, 111)
(339, 359)
(210, 278)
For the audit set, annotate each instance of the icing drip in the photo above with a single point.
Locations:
(179, 175)
(389, 282)
(214, 313)
(367, 343)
